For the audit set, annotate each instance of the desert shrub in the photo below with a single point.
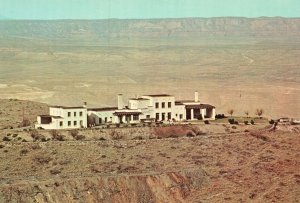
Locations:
(15, 135)
(43, 139)
(56, 135)
(6, 139)
(24, 140)
(139, 137)
(234, 127)
(36, 146)
(246, 122)
(76, 136)
(230, 111)
(25, 123)
(170, 131)
(8, 134)
(252, 122)
(24, 152)
(102, 139)
(259, 135)
(231, 121)
(236, 122)
(2, 146)
(74, 133)
(271, 121)
(55, 171)
(42, 159)
(197, 131)
(259, 112)
(206, 122)
(79, 137)
(220, 116)
(116, 135)
(35, 135)
(190, 134)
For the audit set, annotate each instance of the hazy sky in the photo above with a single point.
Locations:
(99, 9)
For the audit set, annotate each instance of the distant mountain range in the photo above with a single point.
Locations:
(187, 27)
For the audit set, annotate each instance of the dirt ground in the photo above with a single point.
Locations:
(244, 165)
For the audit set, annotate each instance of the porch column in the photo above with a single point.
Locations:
(202, 114)
(192, 114)
(124, 119)
(214, 113)
(131, 118)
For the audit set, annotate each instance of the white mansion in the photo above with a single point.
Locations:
(148, 108)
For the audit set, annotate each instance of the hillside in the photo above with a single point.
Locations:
(258, 165)
(236, 63)
(12, 112)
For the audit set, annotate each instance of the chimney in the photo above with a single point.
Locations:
(120, 101)
(84, 105)
(196, 96)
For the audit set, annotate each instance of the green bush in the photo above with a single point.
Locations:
(6, 139)
(231, 121)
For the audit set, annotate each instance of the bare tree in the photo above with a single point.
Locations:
(247, 113)
(230, 111)
(259, 112)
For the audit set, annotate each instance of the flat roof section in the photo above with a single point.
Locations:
(103, 109)
(159, 95)
(68, 107)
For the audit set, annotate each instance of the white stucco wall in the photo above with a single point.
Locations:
(97, 115)
(68, 120)
(160, 110)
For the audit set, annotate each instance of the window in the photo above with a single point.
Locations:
(75, 114)
(61, 123)
(135, 117)
(156, 105)
(80, 113)
(169, 116)
(163, 105)
(157, 116)
(180, 116)
(105, 120)
(69, 123)
(163, 116)
(100, 120)
(148, 116)
(75, 123)
(81, 123)
(169, 104)
(69, 114)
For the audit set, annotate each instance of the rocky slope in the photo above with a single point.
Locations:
(166, 187)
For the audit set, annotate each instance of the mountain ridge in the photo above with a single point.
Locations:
(179, 27)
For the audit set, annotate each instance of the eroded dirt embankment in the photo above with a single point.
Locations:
(165, 187)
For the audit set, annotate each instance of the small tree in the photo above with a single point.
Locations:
(247, 113)
(259, 112)
(230, 111)
(25, 123)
